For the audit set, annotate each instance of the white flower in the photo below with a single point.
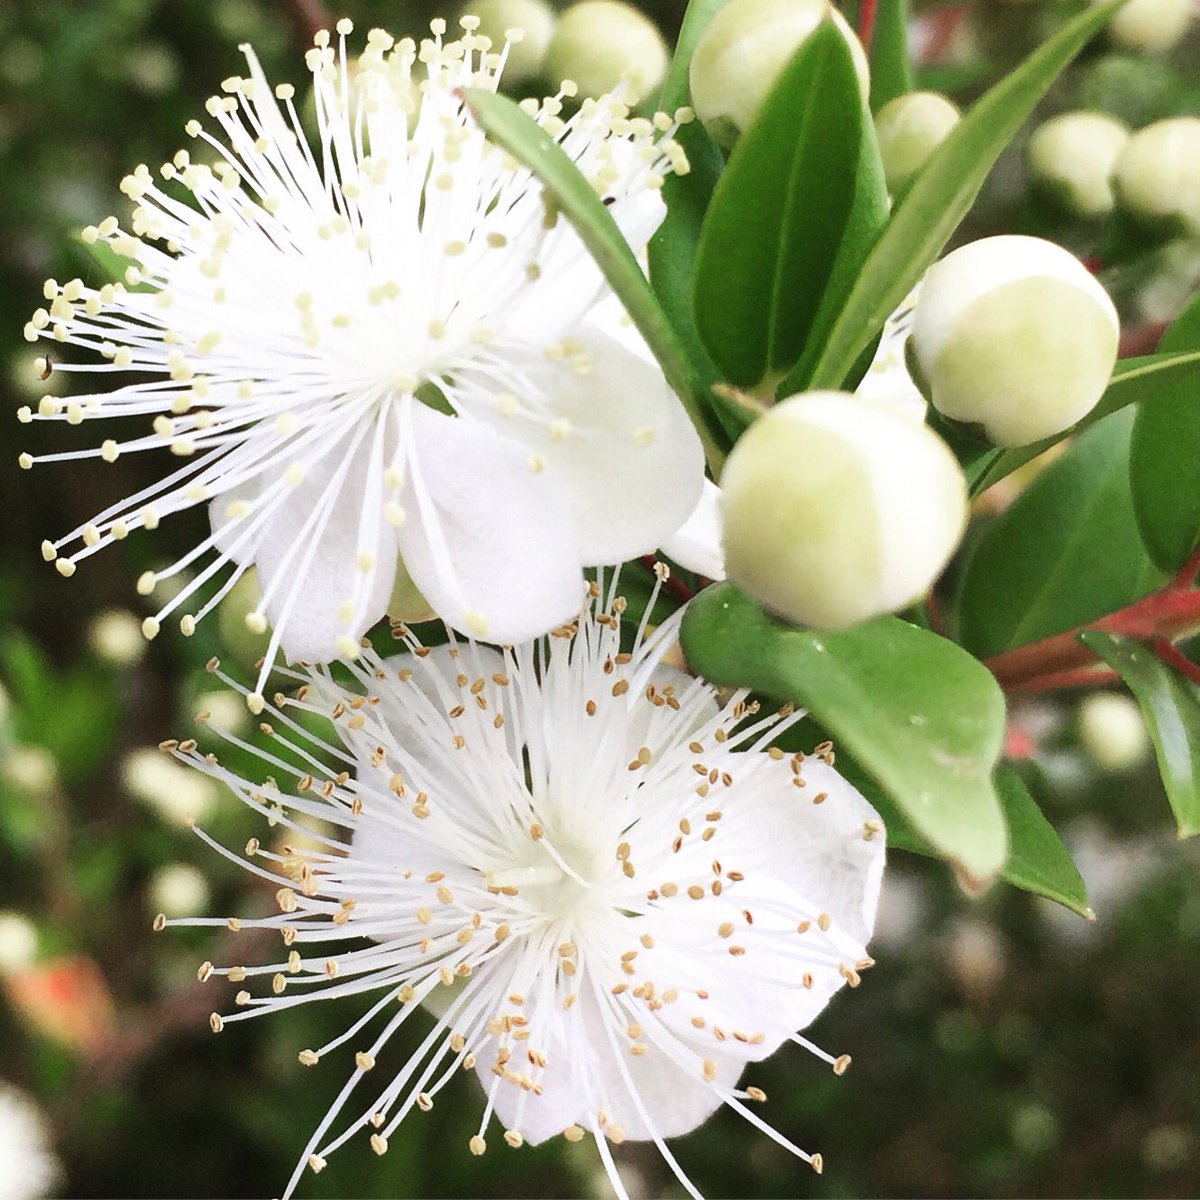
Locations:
(613, 893)
(380, 347)
(28, 1167)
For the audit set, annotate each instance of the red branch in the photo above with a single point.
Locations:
(1162, 649)
(866, 22)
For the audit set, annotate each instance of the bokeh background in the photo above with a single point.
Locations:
(1002, 1046)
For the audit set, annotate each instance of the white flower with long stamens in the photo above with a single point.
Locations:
(613, 892)
(378, 348)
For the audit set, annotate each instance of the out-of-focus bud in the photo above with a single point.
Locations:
(534, 18)
(18, 942)
(1150, 26)
(1112, 731)
(1071, 158)
(1013, 333)
(225, 710)
(30, 770)
(910, 129)
(243, 628)
(743, 51)
(599, 44)
(838, 508)
(178, 890)
(66, 999)
(116, 637)
(1157, 175)
(176, 793)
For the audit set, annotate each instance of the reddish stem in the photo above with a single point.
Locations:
(672, 585)
(1188, 572)
(1163, 650)
(1141, 339)
(1079, 677)
(866, 22)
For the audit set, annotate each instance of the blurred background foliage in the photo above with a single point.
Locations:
(1002, 1046)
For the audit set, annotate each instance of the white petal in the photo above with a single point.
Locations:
(486, 539)
(616, 443)
(583, 1076)
(327, 558)
(696, 544)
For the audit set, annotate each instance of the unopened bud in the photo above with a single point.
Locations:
(1112, 731)
(534, 18)
(116, 637)
(178, 890)
(30, 770)
(1012, 333)
(1149, 26)
(1072, 157)
(18, 942)
(600, 44)
(175, 792)
(743, 51)
(838, 508)
(1157, 175)
(910, 129)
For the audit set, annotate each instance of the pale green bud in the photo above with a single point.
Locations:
(18, 942)
(30, 770)
(116, 637)
(600, 44)
(178, 890)
(1013, 333)
(1157, 175)
(910, 129)
(1072, 158)
(837, 508)
(534, 18)
(1112, 731)
(743, 51)
(177, 793)
(1151, 26)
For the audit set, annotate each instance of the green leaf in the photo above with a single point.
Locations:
(890, 74)
(1134, 381)
(1164, 456)
(943, 192)
(922, 717)
(788, 217)
(512, 130)
(1065, 552)
(1171, 705)
(1037, 861)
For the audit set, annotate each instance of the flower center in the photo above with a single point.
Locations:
(557, 879)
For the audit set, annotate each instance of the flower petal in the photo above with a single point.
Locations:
(696, 544)
(487, 540)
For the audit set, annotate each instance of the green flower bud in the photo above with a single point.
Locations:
(910, 129)
(837, 508)
(1157, 176)
(1151, 26)
(1013, 333)
(534, 18)
(600, 44)
(1072, 157)
(744, 49)
(178, 890)
(1112, 731)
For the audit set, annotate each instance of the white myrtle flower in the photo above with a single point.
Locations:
(612, 891)
(378, 348)
(29, 1169)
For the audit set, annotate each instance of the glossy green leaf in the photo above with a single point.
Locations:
(1065, 552)
(890, 73)
(787, 217)
(922, 717)
(944, 191)
(1037, 860)
(1171, 705)
(1143, 380)
(511, 129)
(1164, 463)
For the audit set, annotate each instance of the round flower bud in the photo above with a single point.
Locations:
(1013, 333)
(1071, 157)
(742, 52)
(116, 637)
(178, 890)
(177, 793)
(838, 508)
(600, 44)
(30, 770)
(1112, 731)
(18, 942)
(1150, 26)
(910, 129)
(1157, 175)
(534, 18)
